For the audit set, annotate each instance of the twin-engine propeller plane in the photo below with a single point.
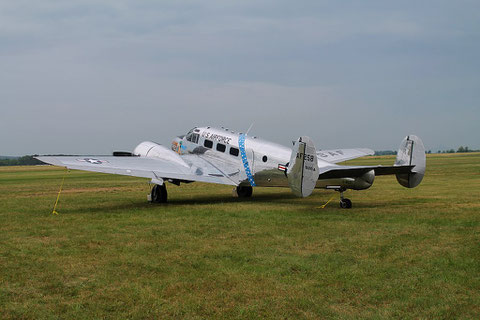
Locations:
(218, 155)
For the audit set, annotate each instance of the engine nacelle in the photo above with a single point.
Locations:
(365, 181)
(150, 149)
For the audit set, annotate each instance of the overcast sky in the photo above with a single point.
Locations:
(96, 76)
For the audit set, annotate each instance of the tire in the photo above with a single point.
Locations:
(345, 204)
(348, 203)
(244, 192)
(159, 193)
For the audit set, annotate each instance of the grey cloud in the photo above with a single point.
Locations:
(88, 76)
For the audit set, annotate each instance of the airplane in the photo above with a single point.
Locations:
(222, 156)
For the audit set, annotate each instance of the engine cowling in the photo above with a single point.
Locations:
(365, 181)
(150, 149)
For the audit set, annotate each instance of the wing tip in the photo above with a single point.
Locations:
(367, 151)
(50, 160)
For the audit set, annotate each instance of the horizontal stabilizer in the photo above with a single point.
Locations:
(337, 172)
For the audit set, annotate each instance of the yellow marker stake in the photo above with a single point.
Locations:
(323, 206)
(58, 196)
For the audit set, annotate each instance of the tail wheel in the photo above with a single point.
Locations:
(244, 192)
(345, 203)
(159, 193)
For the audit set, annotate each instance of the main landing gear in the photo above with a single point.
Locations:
(344, 202)
(243, 191)
(158, 194)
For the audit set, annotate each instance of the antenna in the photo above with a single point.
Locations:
(249, 128)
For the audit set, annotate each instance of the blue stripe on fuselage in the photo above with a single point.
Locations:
(243, 154)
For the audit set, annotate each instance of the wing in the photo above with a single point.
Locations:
(339, 155)
(335, 172)
(194, 169)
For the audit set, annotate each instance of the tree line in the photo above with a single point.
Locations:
(20, 161)
(29, 160)
(461, 149)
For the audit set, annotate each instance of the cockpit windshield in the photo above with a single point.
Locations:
(193, 137)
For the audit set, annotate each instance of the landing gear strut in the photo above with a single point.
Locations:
(344, 202)
(243, 191)
(159, 193)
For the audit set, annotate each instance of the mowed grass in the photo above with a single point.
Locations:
(398, 253)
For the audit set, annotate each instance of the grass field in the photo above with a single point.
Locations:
(398, 253)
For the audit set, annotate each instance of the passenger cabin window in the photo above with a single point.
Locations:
(208, 144)
(233, 151)
(221, 147)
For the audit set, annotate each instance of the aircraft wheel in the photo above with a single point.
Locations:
(244, 192)
(159, 193)
(345, 203)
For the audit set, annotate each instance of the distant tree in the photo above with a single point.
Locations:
(464, 149)
(22, 161)
(385, 153)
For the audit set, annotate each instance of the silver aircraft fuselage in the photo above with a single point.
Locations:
(221, 156)
(259, 162)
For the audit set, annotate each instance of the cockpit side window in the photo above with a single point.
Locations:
(192, 137)
(195, 137)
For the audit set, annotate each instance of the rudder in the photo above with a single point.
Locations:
(411, 152)
(302, 171)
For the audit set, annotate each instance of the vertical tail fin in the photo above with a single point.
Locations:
(302, 171)
(411, 152)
